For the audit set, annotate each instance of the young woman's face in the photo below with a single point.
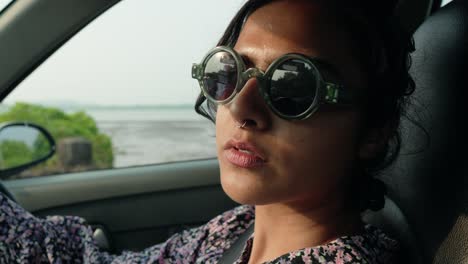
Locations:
(272, 160)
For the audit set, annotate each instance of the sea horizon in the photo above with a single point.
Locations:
(149, 134)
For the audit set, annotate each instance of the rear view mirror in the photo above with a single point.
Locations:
(23, 145)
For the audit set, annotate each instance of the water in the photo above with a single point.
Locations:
(155, 135)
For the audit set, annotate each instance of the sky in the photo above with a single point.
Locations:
(444, 2)
(139, 52)
(3, 3)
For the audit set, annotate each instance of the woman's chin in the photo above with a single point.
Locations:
(243, 191)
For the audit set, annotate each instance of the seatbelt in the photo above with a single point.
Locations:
(234, 252)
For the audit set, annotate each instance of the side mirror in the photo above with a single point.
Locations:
(23, 145)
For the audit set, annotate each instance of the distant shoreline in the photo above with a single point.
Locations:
(83, 106)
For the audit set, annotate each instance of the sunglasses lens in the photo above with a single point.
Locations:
(293, 87)
(220, 76)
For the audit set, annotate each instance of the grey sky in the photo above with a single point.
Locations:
(3, 3)
(444, 2)
(139, 52)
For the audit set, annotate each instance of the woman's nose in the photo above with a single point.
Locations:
(249, 107)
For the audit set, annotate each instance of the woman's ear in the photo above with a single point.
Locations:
(374, 141)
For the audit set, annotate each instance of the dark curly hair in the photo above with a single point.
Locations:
(383, 50)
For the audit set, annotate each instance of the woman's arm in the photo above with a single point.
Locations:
(25, 238)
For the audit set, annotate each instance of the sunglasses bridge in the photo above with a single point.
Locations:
(252, 73)
(249, 74)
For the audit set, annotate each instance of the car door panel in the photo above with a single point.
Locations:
(138, 206)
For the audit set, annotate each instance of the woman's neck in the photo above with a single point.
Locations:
(282, 228)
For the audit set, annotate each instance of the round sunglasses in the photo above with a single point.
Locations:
(292, 86)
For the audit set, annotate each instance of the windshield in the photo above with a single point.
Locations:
(4, 3)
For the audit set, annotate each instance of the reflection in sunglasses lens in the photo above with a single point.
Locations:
(220, 75)
(293, 87)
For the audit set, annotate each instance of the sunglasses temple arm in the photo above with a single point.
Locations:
(336, 94)
(197, 71)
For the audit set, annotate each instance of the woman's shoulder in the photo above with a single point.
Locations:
(242, 215)
(372, 246)
(222, 231)
(25, 238)
(232, 222)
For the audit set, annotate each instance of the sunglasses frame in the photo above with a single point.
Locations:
(326, 93)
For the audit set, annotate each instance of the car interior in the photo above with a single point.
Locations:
(133, 208)
(428, 183)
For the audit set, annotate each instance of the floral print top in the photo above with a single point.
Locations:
(67, 239)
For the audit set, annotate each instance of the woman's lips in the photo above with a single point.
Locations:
(243, 155)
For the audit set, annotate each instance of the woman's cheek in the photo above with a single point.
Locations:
(221, 127)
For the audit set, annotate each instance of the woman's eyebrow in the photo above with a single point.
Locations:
(249, 56)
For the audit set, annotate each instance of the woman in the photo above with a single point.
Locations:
(306, 96)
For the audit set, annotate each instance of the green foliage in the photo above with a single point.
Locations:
(62, 125)
(41, 147)
(14, 153)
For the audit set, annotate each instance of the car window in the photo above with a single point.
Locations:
(4, 3)
(123, 86)
(444, 2)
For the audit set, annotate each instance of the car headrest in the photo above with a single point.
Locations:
(429, 180)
